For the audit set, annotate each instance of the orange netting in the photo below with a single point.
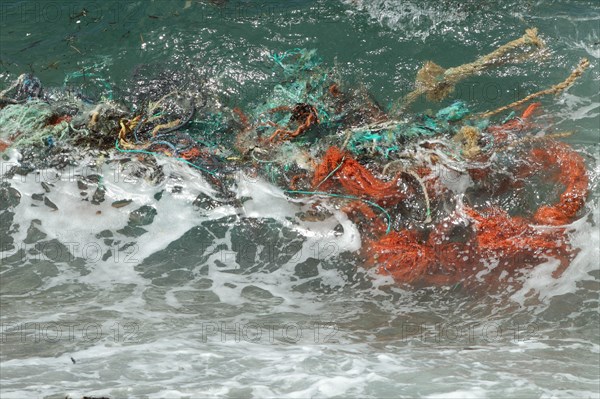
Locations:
(355, 179)
(57, 119)
(401, 255)
(361, 213)
(192, 153)
(572, 174)
(496, 243)
(481, 244)
(513, 241)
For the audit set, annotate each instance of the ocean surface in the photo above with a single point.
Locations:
(182, 302)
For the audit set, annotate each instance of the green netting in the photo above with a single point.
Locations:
(306, 81)
(172, 126)
(391, 136)
(297, 60)
(453, 113)
(85, 77)
(27, 124)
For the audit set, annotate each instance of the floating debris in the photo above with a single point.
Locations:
(50, 204)
(312, 137)
(98, 196)
(121, 203)
(142, 216)
(9, 197)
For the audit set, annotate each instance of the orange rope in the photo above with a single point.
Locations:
(500, 132)
(305, 114)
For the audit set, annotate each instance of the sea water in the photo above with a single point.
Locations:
(164, 298)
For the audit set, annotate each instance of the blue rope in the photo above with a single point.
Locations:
(387, 215)
(135, 131)
(171, 146)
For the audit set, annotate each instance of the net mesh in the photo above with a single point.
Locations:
(313, 137)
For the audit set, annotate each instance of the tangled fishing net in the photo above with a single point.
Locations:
(440, 198)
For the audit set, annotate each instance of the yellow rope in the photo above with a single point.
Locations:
(165, 126)
(469, 136)
(436, 82)
(583, 65)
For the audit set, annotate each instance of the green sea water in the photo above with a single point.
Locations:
(178, 321)
(377, 44)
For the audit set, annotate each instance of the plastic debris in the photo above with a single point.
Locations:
(314, 137)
